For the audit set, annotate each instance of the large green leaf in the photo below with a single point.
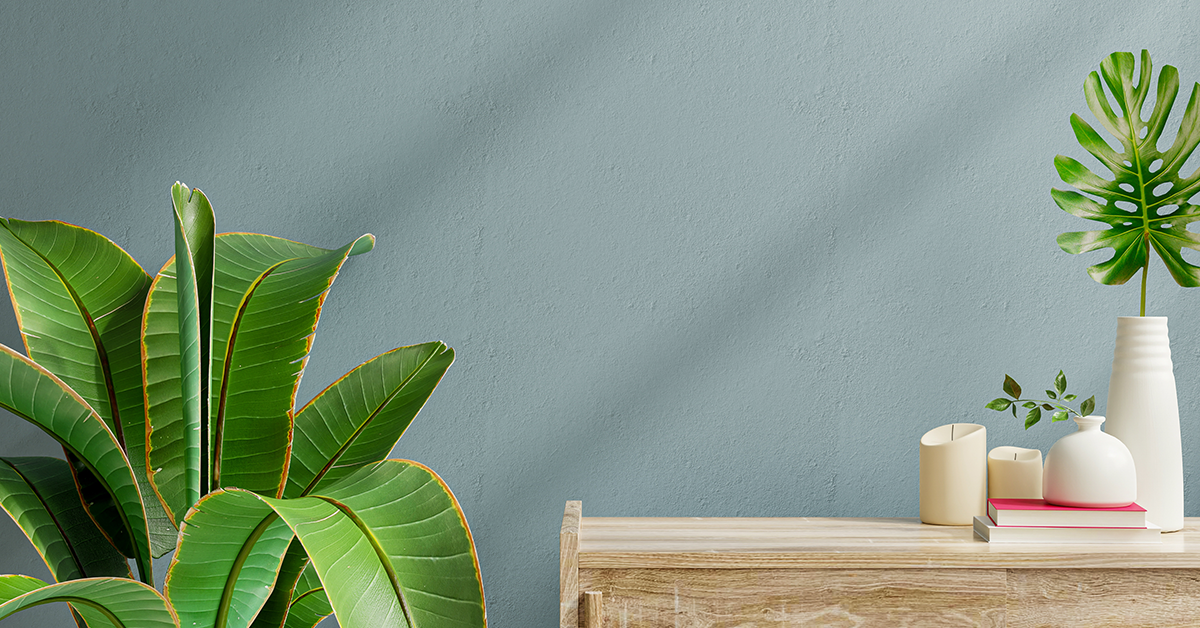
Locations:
(12, 586)
(194, 261)
(37, 396)
(420, 526)
(229, 553)
(1155, 211)
(308, 609)
(267, 297)
(352, 568)
(390, 534)
(78, 299)
(275, 610)
(310, 604)
(100, 505)
(167, 423)
(269, 337)
(358, 419)
(241, 259)
(103, 602)
(39, 494)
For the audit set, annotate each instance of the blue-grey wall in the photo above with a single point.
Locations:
(696, 258)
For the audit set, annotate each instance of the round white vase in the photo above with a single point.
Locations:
(1089, 469)
(1143, 411)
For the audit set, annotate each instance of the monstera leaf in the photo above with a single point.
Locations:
(1146, 204)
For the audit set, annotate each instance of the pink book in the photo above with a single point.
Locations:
(1038, 513)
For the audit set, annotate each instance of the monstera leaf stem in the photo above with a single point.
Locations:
(1136, 156)
(1145, 271)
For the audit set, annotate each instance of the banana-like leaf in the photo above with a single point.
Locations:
(391, 533)
(358, 419)
(275, 610)
(103, 602)
(310, 604)
(37, 396)
(78, 299)
(100, 505)
(269, 337)
(308, 609)
(353, 569)
(1154, 210)
(266, 301)
(229, 554)
(12, 585)
(194, 261)
(419, 524)
(39, 494)
(167, 425)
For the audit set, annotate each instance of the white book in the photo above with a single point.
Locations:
(985, 529)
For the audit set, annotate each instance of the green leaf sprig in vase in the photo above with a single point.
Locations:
(1146, 204)
(1057, 402)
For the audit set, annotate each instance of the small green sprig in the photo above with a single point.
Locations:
(1055, 404)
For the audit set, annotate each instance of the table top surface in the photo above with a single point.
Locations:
(819, 542)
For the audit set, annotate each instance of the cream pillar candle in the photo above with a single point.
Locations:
(954, 474)
(1014, 473)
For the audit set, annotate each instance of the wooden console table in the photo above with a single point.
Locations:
(685, 572)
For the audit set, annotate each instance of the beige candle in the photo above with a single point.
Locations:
(954, 474)
(1014, 473)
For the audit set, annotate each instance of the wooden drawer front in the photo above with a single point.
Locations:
(1128, 598)
(744, 598)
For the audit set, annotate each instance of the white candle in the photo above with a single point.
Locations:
(1014, 473)
(954, 474)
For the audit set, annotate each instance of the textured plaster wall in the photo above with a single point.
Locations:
(696, 258)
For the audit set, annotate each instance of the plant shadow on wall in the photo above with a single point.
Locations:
(613, 430)
(172, 398)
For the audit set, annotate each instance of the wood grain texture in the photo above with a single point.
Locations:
(835, 543)
(744, 598)
(1099, 598)
(715, 572)
(593, 609)
(568, 557)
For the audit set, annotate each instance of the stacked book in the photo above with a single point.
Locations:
(1035, 521)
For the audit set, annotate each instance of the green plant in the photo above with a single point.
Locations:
(173, 398)
(1057, 402)
(1146, 204)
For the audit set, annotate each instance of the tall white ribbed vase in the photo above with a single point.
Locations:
(1143, 411)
